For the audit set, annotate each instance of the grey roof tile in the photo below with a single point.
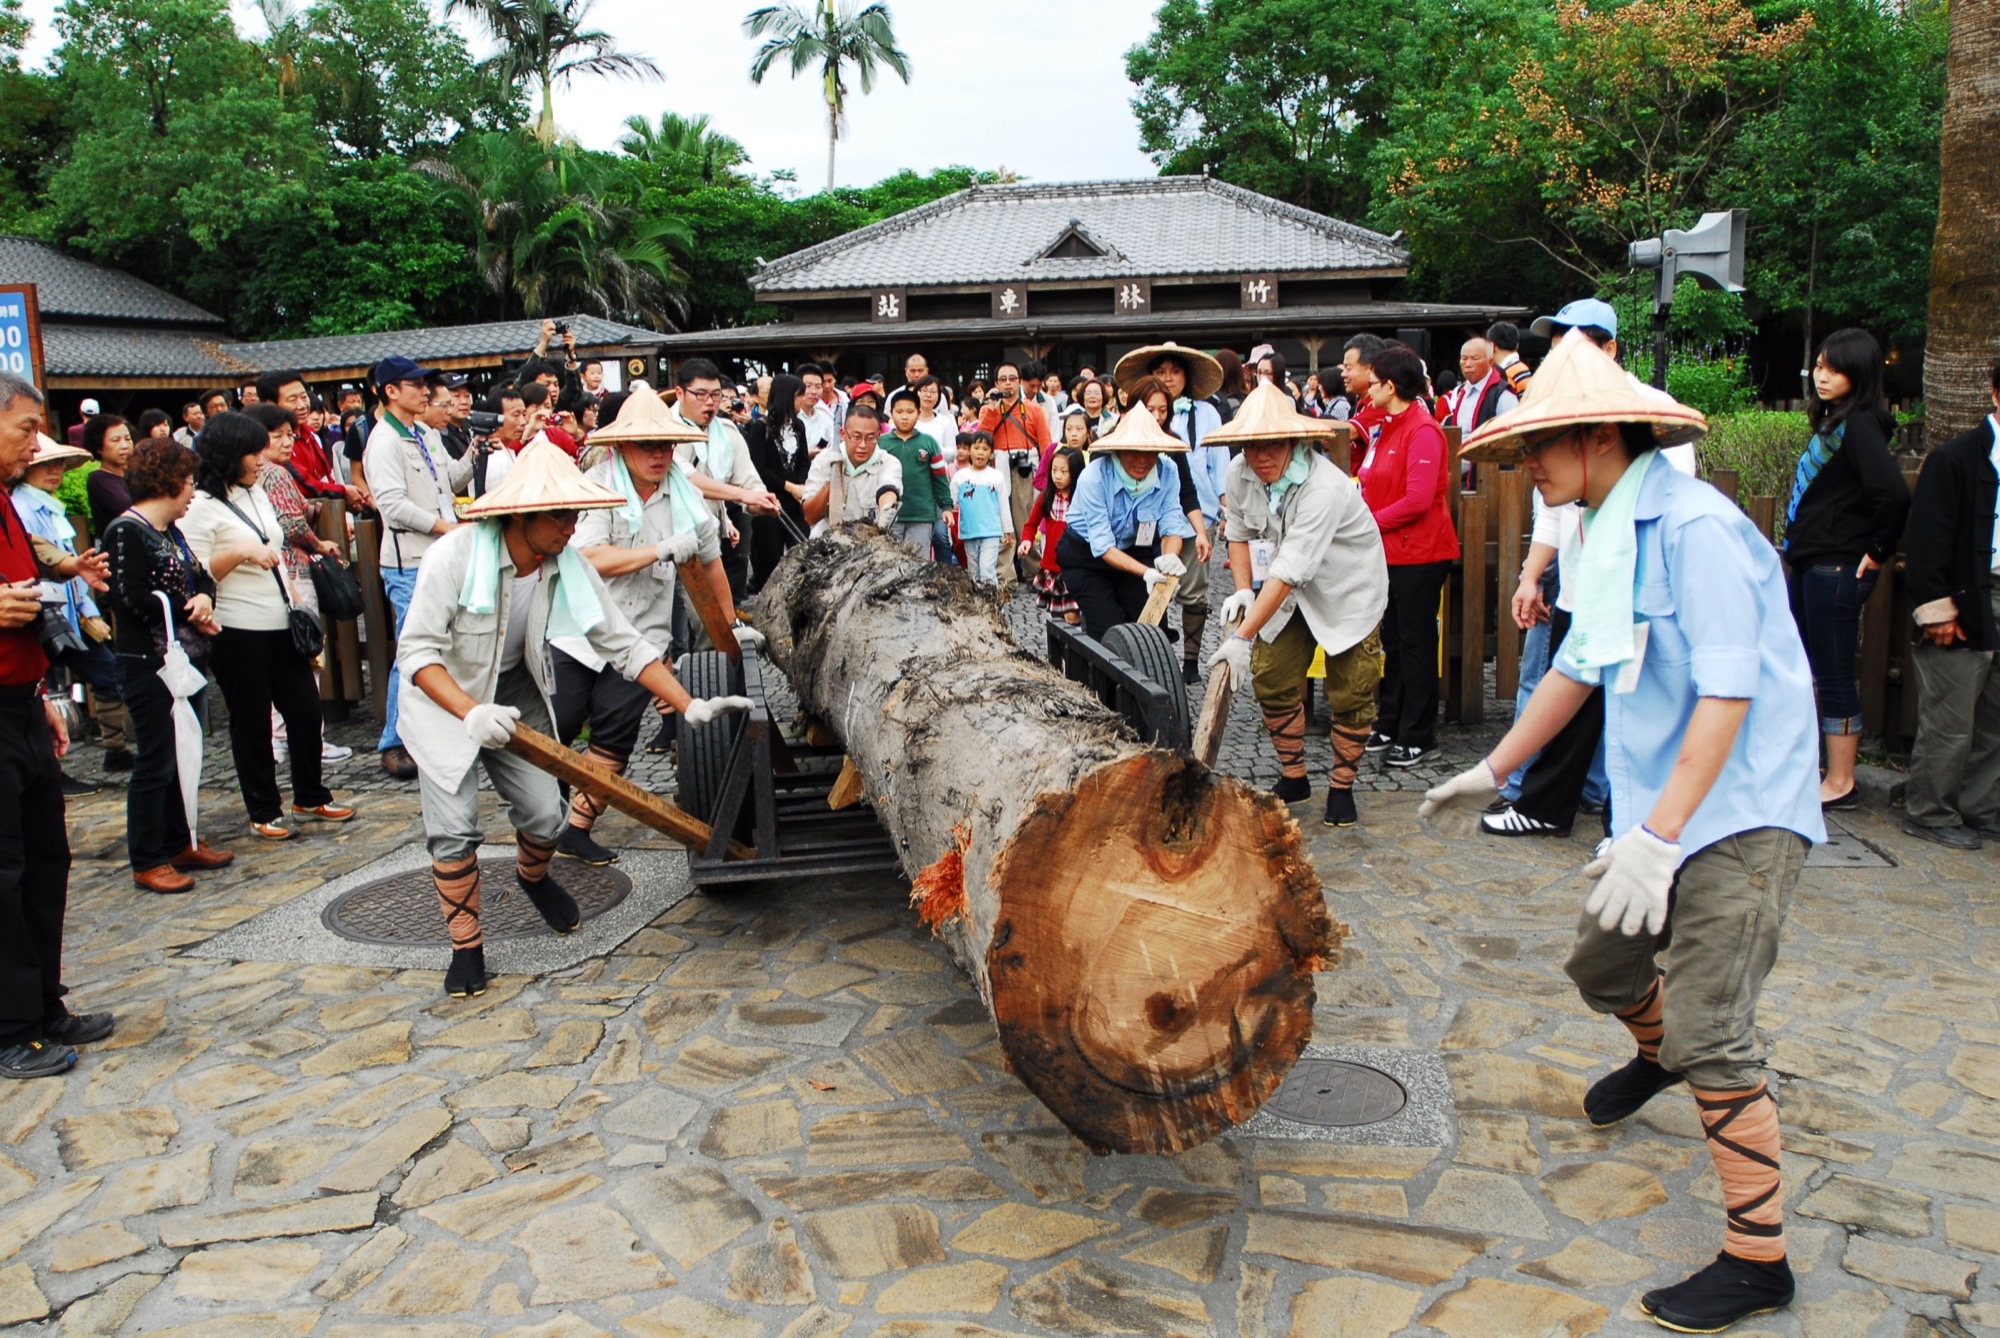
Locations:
(85, 350)
(66, 286)
(1155, 227)
(493, 339)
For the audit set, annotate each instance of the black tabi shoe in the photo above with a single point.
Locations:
(35, 1059)
(1728, 1290)
(1340, 808)
(1618, 1096)
(1190, 672)
(466, 977)
(578, 844)
(78, 1028)
(1291, 789)
(558, 907)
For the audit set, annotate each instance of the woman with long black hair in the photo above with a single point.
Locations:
(237, 534)
(777, 444)
(1845, 517)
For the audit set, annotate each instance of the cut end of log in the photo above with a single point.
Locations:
(1152, 977)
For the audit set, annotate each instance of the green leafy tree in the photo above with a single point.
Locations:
(547, 42)
(181, 135)
(385, 77)
(831, 39)
(31, 129)
(556, 228)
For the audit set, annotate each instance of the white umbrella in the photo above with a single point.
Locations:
(183, 680)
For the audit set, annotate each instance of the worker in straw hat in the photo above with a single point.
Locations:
(492, 598)
(1126, 524)
(1712, 742)
(1310, 575)
(662, 521)
(1190, 378)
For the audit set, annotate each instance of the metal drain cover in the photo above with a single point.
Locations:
(1335, 1094)
(402, 909)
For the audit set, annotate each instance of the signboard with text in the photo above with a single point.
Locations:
(887, 306)
(21, 332)
(1132, 297)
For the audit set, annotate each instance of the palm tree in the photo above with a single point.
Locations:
(832, 40)
(1964, 336)
(682, 140)
(286, 25)
(545, 42)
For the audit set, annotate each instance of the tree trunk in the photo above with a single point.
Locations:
(1143, 930)
(1964, 337)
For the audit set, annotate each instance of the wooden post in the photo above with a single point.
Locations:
(1516, 514)
(1877, 635)
(378, 615)
(1763, 513)
(568, 766)
(340, 677)
(701, 598)
(1725, 482)
(1340, 449)
(1473, 608)
(1452, 472)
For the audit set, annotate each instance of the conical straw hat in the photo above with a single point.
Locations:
(1204, 372)
(543, 478)
(1138, 430)
(645, 417)
(49, 451)
(1267, 415)
(1580, 383)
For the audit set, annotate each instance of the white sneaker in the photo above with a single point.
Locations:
(333, 752)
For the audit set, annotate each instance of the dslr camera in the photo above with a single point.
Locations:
(58, 640)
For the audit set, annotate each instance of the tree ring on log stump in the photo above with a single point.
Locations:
(1151, 1019)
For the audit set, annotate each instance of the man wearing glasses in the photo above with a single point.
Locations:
(720, 466)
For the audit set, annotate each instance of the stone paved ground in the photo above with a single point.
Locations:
(783, 1113)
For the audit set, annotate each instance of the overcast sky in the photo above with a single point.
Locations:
(1055, 106)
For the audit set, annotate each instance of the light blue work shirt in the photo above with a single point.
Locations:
(1106, 516)
(1208, 464)
(1712, 591)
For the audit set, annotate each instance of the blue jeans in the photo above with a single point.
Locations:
(1536, 655)
(941, 543)
(1826, 604)
(983, 556)
(401, 583)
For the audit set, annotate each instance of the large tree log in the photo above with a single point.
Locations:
(1144, 931)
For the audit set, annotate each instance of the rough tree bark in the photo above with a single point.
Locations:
(1964, 336)
(1144, 931)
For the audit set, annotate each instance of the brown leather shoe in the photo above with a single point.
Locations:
(164, 879)
(398, 763)
(201, 855)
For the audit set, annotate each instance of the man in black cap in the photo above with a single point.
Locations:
(412, 479)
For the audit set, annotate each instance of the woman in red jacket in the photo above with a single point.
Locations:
(1402, 480)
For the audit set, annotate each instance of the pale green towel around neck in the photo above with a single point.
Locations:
(574, 609)
(1600, 565)
(1295, 474)
(689, 510)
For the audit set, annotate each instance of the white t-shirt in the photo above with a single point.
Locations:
(248, 599)
(514, 646)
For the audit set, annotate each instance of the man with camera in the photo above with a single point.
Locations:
(413, 481)
(1020, 430)
(37, 1032)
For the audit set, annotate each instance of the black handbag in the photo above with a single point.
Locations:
(339, 593)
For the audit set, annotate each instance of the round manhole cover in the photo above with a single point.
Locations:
(402, 909)
(1335, 1094)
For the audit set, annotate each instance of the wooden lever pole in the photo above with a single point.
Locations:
(541, 751)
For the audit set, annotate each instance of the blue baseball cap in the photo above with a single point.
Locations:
(396, 368)
(1583, 311)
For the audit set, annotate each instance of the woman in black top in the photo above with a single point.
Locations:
(1845, 516)
(148, 556)
(777, 444)
(108, 438)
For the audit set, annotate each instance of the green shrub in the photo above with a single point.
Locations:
(1715, 382)
(1761, 446)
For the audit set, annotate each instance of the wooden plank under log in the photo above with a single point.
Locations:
(1157, 600)
(1143, 930)
(847, 788)
(566, 765)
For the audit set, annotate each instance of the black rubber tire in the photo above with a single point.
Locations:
(704, 750)
(1147, 650)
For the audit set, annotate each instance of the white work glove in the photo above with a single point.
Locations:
(491, 726)
(1633, 879)
(1476, 786)
(1237, 606)
(679, 548)
(1153, 576)
(704, 709)
(747, 635)
(1170, 564)
(1235, 653)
